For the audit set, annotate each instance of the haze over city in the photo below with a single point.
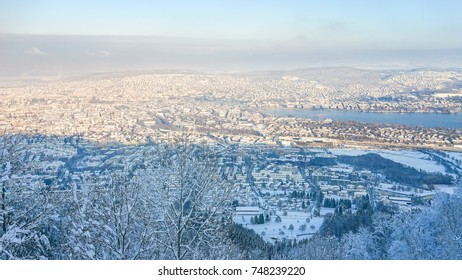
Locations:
(69, 37)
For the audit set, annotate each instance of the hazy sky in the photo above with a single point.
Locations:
(398, 23)
(262, 31)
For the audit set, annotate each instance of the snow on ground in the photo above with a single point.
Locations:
(273, 230)
(386, 185)
(413, 159)
(317, 150)
(445, 188)
(455, 159)
(348, 152)
(455, 155)
(410, 158)
(337, 197)
(344, 168)
(326, 210)
(273, 192)
(403, 190)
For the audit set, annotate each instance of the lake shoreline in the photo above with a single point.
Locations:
(425, 119)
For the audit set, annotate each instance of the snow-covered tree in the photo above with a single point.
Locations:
(192, 201)
(433, 233)
(114, 219)
(359, 246)
(25, 206)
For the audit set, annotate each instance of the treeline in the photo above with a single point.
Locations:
(250, 244)
(333, 203)
(301, 194)
(259, 219)
(395, 171)
(343, 222)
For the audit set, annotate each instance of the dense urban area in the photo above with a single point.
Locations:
(232, 108)
(186, 165)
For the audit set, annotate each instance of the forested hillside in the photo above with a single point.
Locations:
(173, 202)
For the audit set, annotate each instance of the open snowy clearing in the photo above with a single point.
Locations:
(273, 230)
(348, 152)
(415, 159)
(445, 189)
(455, 155)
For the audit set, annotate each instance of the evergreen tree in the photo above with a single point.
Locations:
(261, 219)
(291, 227)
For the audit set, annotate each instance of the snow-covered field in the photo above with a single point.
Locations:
(455, 155)
(348, 152)
(410, 158)
(445, 189)
(273, 230)
(414, 159)
(326, 210)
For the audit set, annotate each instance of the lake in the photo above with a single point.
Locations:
(410, 119)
